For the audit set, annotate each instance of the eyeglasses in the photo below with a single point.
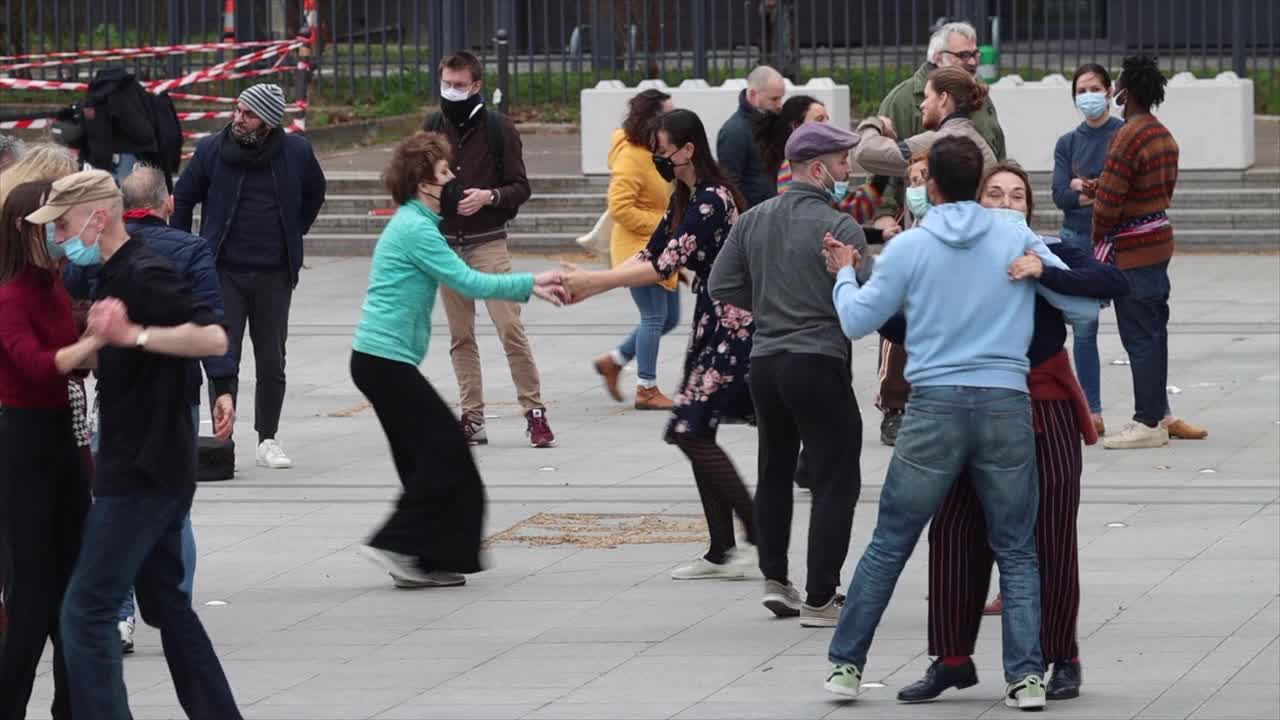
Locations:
(963, 55)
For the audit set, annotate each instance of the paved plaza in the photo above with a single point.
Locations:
(1180, 547)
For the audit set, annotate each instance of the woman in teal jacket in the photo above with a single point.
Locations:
(434, 534)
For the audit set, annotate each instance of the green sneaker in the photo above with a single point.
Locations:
(846, 679)
(1028, 694)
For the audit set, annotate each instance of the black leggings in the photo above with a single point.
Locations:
(439, 517)
(44, 496)
(722, 493)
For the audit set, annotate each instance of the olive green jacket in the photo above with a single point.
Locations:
(902, 105)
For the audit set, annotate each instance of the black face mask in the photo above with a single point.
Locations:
(449, 197)
(666, 168)
(459, 112)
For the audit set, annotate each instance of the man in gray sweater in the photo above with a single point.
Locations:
(801, 382)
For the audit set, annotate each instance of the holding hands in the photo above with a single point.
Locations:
(549, 286)
(838, 255)
(109, 321)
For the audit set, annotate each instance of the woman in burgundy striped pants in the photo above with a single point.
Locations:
(959, 558)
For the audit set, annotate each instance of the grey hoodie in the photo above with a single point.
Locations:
(772, 265)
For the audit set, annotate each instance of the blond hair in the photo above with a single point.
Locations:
(38, 163)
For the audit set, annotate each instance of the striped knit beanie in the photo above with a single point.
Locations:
(266, 101)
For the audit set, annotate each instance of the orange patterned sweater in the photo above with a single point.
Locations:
(1136, 183)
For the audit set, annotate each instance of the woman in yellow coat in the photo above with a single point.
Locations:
(638, 198)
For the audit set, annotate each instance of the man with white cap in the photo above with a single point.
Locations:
(259, 190)
(145, 468)
(801, 384)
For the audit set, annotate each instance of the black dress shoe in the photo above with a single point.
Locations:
(1064, 684)
(937, 678)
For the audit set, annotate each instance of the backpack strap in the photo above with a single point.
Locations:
(497, 145)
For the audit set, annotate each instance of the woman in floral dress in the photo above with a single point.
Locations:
(714, 387)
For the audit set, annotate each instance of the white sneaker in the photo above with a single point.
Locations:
(701, 569)
(745, 558)
(271, 455)
(126, 628)
(1135, 435)
(404, 570)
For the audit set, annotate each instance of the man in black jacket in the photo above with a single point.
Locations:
(490, 187)
(736, 149)
(259, 190)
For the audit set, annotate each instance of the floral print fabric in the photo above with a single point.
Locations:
(714, 388)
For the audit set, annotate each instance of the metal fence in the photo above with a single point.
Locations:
(370, 50)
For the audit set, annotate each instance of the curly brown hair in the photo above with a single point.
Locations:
(413, 162)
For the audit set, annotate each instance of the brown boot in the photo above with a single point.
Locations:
(1183, 430)
(1099, 426)
(652, 399)
(609, 369)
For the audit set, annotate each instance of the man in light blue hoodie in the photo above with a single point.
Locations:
(970, 315)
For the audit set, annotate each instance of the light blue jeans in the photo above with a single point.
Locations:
(659, 315)
(945, 431)
(1085, 339)
(128, 609)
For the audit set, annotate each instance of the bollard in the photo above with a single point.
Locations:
(502, 95)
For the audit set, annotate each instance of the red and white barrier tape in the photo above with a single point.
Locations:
(183, 116)
(222, 71)
(142, 51)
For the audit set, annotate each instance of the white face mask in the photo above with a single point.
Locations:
(453, 94)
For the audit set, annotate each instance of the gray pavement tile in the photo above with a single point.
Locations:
(1240, 701)
(688, 679)
(881, 703)
(755, 711)
(617, 711)
(430, 710)
(1179, 700)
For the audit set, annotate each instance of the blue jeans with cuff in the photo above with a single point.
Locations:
(945, 431)
(659, 315)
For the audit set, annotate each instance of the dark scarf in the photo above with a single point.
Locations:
(251, 157)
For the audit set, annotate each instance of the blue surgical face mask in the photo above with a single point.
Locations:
(51, 243)
(918, 201)
(81, 254)
(1011, 216)
(1093, 104)
(839, 188)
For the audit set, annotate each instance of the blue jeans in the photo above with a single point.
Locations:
(659, 314)
(1143, 320)
(946, 431)
(136, 541)
(188, 546)
(1085, 339)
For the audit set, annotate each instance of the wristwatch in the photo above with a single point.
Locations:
(143, 336)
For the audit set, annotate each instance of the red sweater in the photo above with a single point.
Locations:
(1137, 181)
(35, 323)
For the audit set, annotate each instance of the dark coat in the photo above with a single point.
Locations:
(738, 155)
(212, 183)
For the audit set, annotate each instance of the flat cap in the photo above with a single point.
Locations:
(75, 189)
(814, 139)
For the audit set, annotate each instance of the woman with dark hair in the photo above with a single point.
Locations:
(1131, 230)
(714, 390)
(432, 539)
(637, 198)
(772, 130)
(960, 556)
(44, 479)
(1077, 162)
(771, 133)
